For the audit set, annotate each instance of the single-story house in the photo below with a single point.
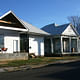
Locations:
(64, 39)
(17, 35)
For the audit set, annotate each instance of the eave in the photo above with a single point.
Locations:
(12, 28)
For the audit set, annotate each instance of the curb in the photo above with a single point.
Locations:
(29, 67)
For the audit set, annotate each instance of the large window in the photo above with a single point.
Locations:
(1, 41)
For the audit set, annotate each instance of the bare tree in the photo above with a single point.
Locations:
(75, 20)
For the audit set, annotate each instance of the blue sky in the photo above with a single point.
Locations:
(42, 12)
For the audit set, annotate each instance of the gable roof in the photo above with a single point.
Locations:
(55, 29)
(27, 26)
(78, 30)
(8, 13)
(33, 29)
(2, 20)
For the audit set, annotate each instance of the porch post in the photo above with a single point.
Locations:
(70, 43)
(77, 44)
(52, 45)
(61, 40)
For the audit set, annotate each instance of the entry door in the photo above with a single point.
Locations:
(66, 45)
(15, 45)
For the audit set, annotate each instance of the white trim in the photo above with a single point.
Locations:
(12, 28)
(70, 25)
(61, 39)
(15, 16)
(6, 14)
(74, 29)
(51, 45)
(70, 44)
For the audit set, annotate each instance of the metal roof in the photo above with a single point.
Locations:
(33, 29)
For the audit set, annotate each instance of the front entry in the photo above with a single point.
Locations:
(66, 45)
(47, 47)
(69, 45)
(24, 43)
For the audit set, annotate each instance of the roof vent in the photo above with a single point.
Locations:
(56, 25)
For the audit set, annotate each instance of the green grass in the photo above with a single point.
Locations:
(37, 61)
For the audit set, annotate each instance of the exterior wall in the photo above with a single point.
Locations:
(47, 46)
(9, 37)
(79, 45)
(36, 45)
(69, 31)
(57, 45)
(15, 56)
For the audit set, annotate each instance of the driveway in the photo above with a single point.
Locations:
(68, 71)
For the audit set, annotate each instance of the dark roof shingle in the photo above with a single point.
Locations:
(55, 30)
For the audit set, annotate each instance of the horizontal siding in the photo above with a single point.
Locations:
(9, 37)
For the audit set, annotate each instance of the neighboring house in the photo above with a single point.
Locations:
(64, 39)
(19, 36)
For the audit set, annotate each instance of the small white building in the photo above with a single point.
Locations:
(64, 39)
(17, 35)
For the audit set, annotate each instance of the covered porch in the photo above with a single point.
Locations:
(69, 45)
(61, 45)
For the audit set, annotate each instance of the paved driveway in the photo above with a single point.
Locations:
(68, 71)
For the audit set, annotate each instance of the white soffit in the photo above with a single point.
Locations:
(12, 28)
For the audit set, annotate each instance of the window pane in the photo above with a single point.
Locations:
(1, 41)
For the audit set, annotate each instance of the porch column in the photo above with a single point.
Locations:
(51, 45)
(61, 39)
(70, 44)
(77, 44)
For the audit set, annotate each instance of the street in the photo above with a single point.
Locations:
(68, 71)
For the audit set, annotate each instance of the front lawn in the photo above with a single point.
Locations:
(37, 61)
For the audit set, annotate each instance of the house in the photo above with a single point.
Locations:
(64, 39)
(17, 35)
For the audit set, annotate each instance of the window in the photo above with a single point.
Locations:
(1, 41)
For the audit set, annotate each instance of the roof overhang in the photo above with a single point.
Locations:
(33, 33)
(1, 17)
(12, 28)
